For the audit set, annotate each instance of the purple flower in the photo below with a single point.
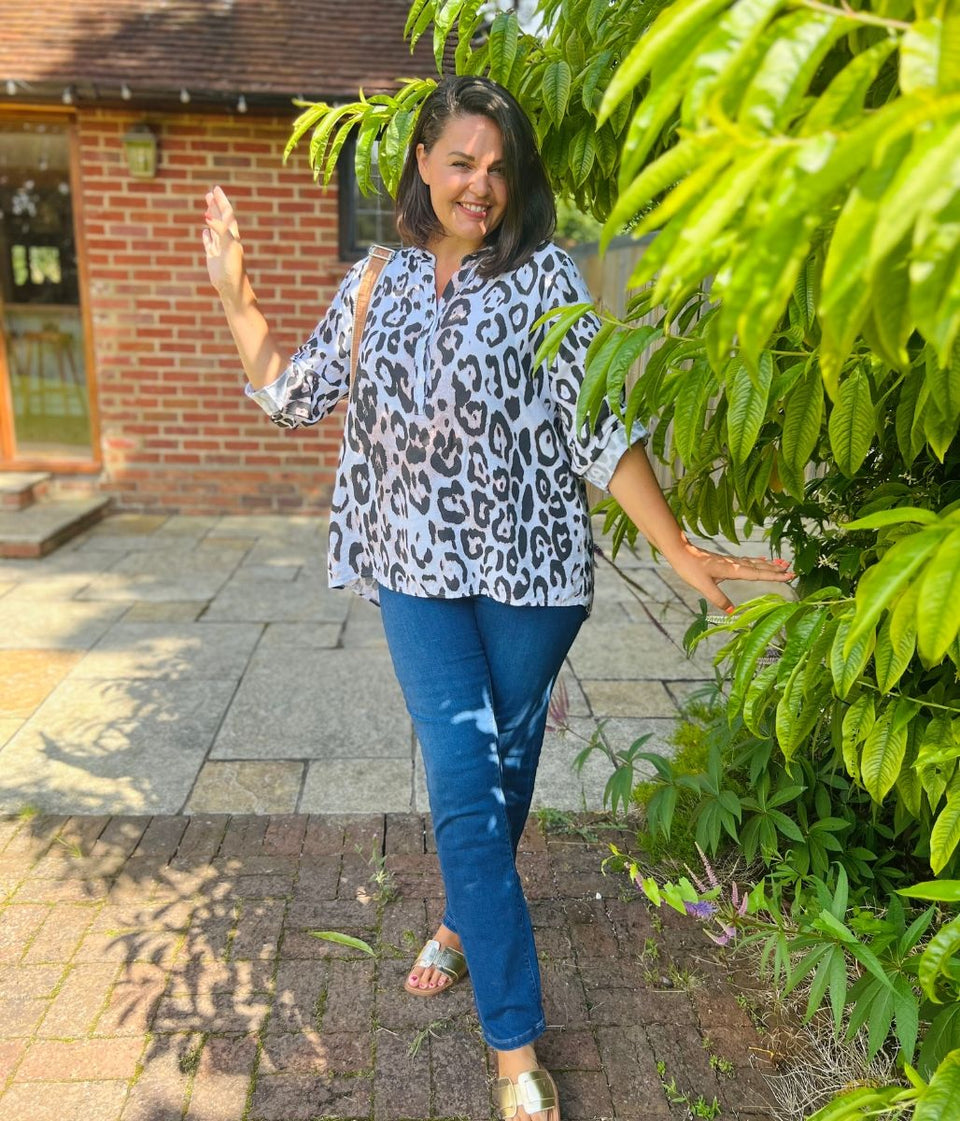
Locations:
(703, 908)
(724, 938)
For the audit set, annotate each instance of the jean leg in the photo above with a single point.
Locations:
(525, 648)
(442, 669)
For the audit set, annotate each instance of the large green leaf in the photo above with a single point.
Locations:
(909, 440)
(938, 954)
(883, 754)
(857, 724)
(938, 608)
(797, 714)
(849, 657)
(853, 1105)
(891, 659)
(945, 835)
(763, 632)
(853, 423)
(935, 276)
(697, 386)
(936, 891)
(845, 294)
(583, 152)
(802, 420)
(747, 407)
(555, 89)
(502, 44)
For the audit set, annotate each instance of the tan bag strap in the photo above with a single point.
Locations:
(379, 255)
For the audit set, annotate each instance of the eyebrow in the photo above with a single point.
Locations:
(467, 156)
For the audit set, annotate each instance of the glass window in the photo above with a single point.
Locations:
(364, 220)
(41, 332)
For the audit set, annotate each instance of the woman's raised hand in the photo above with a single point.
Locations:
(221, 240)
(704, 570)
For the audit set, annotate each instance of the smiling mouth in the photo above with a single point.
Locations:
(475, 209)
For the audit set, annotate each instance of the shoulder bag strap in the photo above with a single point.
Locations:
(371, 274)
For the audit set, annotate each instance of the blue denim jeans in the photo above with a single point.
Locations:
(476, 676)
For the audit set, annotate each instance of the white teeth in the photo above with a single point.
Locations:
(474, 208)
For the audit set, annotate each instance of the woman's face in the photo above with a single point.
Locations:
(464, 172)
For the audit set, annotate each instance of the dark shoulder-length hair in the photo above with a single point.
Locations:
(530, 215)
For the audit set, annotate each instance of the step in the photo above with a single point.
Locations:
(37, 530)
(22, 488)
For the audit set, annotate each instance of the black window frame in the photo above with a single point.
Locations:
(348, 197)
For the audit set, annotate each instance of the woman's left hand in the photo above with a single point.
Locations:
(704, 570)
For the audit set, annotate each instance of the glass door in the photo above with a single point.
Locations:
(43, 380)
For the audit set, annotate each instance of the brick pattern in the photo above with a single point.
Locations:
(176, 432)
(183, 981)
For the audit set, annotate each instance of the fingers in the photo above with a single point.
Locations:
(226, 211)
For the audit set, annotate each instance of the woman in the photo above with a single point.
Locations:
(460, 507)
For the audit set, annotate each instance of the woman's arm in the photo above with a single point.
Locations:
(261, 357)
(634, 485)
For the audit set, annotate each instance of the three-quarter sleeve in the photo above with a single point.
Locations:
(318, 374)
(596, 447)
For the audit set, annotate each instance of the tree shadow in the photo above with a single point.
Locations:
(200, 935)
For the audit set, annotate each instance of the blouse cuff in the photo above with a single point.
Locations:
(270, 397)
(600, 472)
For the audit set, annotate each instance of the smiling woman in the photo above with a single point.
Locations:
(460, 507)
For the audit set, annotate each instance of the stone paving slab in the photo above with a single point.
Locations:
(131, 745)
(347, 707)
(170, 650)
(169, 972)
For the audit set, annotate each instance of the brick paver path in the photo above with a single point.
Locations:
(155, 969)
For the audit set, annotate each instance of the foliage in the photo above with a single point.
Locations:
(890, 955)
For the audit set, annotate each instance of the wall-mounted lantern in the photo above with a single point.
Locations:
(140, 146)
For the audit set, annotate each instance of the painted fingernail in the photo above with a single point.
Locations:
(730, 610)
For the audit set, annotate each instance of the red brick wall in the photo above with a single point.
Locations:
(176, 431)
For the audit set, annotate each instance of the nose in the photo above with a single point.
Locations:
(480, 181)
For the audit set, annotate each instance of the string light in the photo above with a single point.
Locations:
(67, 98)
(242, 104)
(125, 92)
(11, 87)
(185, 96)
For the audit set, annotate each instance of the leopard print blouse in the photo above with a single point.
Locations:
(461, 471)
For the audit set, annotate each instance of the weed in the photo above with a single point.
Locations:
(721, 1065)
(382, 882)
(651, 950)
(565, 822)
(434, 1028)
(700, 1108)
(686, 980)
(188, 1061)
(27, 812)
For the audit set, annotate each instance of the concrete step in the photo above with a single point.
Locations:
(37, 530)
(19, 489)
